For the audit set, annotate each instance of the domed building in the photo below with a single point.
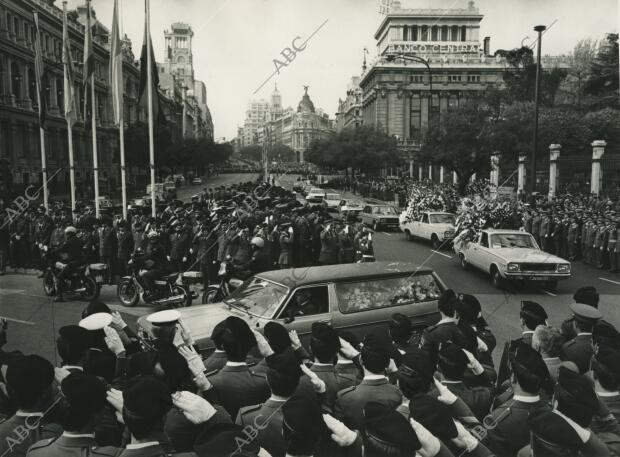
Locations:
(296, 129)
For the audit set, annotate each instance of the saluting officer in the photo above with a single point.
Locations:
(571, 239)
(579, 350)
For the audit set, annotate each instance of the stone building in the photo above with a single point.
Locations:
(350, 109)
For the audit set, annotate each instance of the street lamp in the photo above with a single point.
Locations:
(540, 29)
(393, 57)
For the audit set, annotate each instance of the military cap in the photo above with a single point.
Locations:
(94, 307)
(533, 310)
(74, 335)
(400, 326)
(241, 332)
(96, 321)
(387, 427)
(166, 317)
(585, 313)
(446, 297)
(605, 334)
(435, 416)
(587, 296)
(277, 336)
(375, 352)
(575, 393)
(29, 374)
(285, 363)
(416, 363)
(303, 422)
(527, 359)
(224, 440)
(84, 393)
(350, 338)
(146, 397)
(326, 334)
(468, 308)
(451, 355)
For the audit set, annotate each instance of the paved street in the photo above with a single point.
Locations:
(22, 298)
(185, 192)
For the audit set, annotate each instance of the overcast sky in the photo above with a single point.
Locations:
(235, 41)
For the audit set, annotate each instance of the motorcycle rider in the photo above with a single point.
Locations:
(154, 263)
(71, 255)
(259, 261)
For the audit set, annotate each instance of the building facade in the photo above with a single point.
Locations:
(350, 109)
(256, 114)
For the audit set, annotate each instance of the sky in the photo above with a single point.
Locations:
(236, 41)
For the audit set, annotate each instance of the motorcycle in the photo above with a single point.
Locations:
(86, 280)
(217, 292)
(169, 290)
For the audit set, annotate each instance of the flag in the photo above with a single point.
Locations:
(39, 70)
(143, 97)
(71, 109)
(116, 68)
(89, 65)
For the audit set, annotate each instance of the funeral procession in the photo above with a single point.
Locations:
(338, 228)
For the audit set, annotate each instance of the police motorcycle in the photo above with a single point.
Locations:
(169, 290)
(86, 280)
(228, 283)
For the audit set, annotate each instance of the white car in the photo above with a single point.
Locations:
(332, 201)
(315, 196)
(349, 210)
(197, 181)
(511, 255)
(437, 227)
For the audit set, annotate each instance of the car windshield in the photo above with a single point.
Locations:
(333, 197)
(383, 210)
(258, 296)
(512, 240)
(442, 218)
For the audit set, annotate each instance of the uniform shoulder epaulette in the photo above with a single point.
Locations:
(501, 412)
(258, 375)
(346, 391)
(41, 444)
(249, 409)
(106, 451)
(347, 376)
(212, 372)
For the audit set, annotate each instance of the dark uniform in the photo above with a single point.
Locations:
(69, 446)
(441, 332)
(269, 418)
(579, 350)
(334, 383)
(215, 361)
(18, 433)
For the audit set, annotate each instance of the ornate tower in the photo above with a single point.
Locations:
(179, 59)
(276, 103)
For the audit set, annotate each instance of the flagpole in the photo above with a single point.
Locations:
(94, 129)
(150, 106)
(42, 133)
(69, 131)
(121, 124)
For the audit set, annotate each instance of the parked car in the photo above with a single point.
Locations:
(315, 195)
(508, 255)
(380, 216)
(348, 210)
(332, 201)
(197, 181)
(358, 297)
(437, 227)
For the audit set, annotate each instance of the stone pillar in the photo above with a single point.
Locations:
(554, 156)
(430, 172)
(495, 157)
(455, 178)
(598, 149)
(521, 174)
(441, 170)
(411, 169)
(419, 172)
(424, 109)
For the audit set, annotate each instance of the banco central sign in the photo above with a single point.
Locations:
(430, 47)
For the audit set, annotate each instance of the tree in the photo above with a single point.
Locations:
(364, 148)
(252, 152)
(582, 57)
(281, 153)
(602, 81)
(462, 142)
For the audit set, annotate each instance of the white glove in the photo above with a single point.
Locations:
(464, 439)
(115, 398)
(263, 345)
(341, 434)
(168, 257)
(194, 361)
(392, 368)
(482, 346)
(196, 409)
(445, 395)
(317, 383)
(347, 349)
(184, 259)
(191, 251)
(117, 321)
(290, 230)
(185, 333)
(45, 248)
(60, 374)
(295, 342)
(113, 341)
(473, 364)
(430, 444)
(370, 237)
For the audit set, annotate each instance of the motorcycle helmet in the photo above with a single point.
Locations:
(70, 229)
(258, 242)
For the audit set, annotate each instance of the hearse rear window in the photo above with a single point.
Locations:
(383, 293)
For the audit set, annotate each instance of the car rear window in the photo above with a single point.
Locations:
(384, 293)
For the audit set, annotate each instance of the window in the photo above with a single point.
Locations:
(416, 78)
(484, 240)
(414, 33)
(454, 78)
(463, 33)
(424, 218)
(434, 33)
(307, 301)
(453, 101)
(455, 33)
(415, 118)
(473, 78)
(16, 27)
(258, 296)
(424, 33)
(444, 33)
(383, 293)
(405, 33)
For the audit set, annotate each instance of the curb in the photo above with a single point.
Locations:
(25, 272)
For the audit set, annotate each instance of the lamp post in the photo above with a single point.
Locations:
(393, 57)
(540, 29)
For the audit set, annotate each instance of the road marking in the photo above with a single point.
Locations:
(19, 321)
(609, 280)
(548, 293)
(441, 253)
(386, 233)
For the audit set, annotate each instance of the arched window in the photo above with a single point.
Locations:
(181, 60)
(434, 33)
(444, 33)
(455, 33)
